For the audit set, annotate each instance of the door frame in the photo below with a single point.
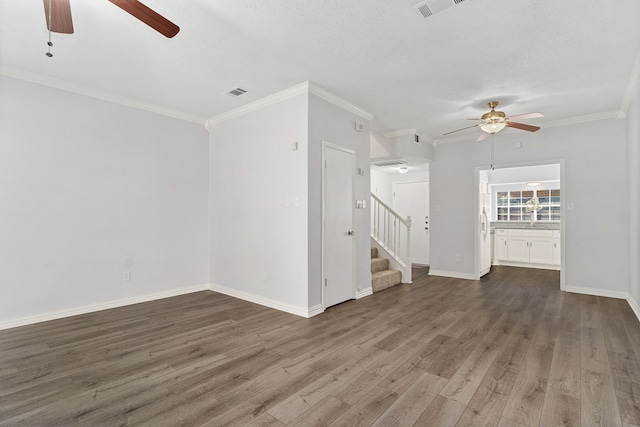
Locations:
(328, 145)
(563, 216)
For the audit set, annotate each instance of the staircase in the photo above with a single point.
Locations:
(381, 276)
(392, 233)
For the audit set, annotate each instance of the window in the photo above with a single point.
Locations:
(512, 205)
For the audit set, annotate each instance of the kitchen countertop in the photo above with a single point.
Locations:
(538, 225)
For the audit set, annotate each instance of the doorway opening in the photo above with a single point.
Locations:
(520, 217)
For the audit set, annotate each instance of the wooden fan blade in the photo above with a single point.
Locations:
(458, 130)
(482, 136)
(148, 16)
(526, 116)
(523, 126)
(58, 14)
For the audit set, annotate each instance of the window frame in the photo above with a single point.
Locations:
(550, 208)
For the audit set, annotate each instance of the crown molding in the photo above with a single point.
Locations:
(259, 104)
(632, 87)
(96, 93)
(340, 102)
(302, 88)
(615, 114)
(400, 132)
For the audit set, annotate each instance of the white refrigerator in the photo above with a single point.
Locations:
(485, 229)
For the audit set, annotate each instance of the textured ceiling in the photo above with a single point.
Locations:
(565, 58)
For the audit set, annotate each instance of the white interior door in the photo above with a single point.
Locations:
(412, 199)
(338, 232)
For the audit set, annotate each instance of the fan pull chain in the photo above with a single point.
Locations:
(493, 137)
(49, 43)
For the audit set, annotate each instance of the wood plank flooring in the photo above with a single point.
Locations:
(508, 350)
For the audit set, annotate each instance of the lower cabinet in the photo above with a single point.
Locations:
(540, 248)
(556, 248)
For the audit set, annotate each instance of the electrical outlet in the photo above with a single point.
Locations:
(458, 258)
(126, 276)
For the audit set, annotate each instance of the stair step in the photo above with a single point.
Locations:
(379, 264)
(385, 279)
(374, 252)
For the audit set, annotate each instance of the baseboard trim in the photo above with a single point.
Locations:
(608, 294)
(530, 265)
(597, 292)
(315, 310)
(267, 302)
(454, 274)
(99, 307)
(634, 306)
(364, 292)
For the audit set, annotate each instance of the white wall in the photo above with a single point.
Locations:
(328, 122)
(380, 146)
(382, 183)
(258, 244)
(633, 138)
(417, 176)
(89, 189)
(385, 180)
(524, 174)
(596, 235)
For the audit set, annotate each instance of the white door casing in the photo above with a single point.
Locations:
(412, 199)
(338, 201)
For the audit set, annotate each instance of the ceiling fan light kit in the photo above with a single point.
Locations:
(493, 126)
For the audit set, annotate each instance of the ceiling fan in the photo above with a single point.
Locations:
(58, 14)
(494, 121)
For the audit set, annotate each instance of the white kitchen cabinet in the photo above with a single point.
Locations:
(502, 240)
(518, 249)
(556, 247)
(541, 250)
(528, 248)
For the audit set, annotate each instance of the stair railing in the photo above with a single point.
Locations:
(392, 232)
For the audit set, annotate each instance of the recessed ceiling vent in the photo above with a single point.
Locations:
(237, 92)
(431, 7)
(391, 163)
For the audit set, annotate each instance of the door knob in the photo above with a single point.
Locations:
(351, 233)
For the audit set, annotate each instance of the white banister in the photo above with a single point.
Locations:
(391, 231)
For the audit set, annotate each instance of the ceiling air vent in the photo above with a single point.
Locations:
(431, 7)
(425, 11)
(237, 92)
(391, 163)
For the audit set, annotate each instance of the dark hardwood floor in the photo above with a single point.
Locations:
(508, 350)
